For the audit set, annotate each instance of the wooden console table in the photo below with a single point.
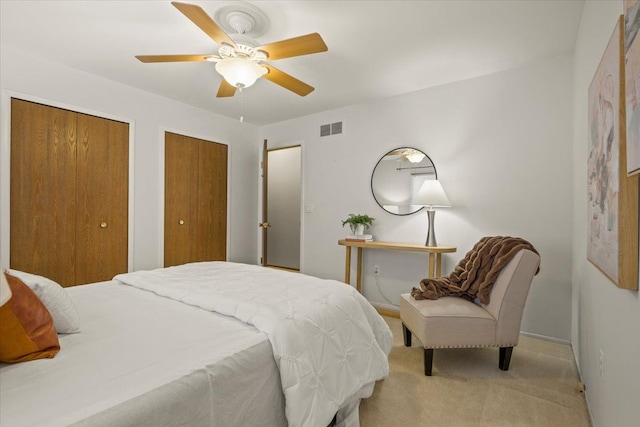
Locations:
(435, 256)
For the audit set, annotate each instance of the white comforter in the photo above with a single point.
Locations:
(328, 341)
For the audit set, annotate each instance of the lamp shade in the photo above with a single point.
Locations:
(5, 291)
(240, 72)
(432, 194)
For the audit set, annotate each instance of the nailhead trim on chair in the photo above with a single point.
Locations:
(503, 361)
(464, 346)
(475, 346)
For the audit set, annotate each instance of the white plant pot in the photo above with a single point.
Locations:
(359, 231)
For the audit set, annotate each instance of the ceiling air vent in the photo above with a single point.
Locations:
(331, 129)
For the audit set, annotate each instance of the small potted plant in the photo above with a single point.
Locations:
(358, 223)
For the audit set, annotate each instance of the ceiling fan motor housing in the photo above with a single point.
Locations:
(241, 51)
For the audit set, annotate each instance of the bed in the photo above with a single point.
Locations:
(205, 344)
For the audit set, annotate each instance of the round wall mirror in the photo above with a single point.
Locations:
(398, 176)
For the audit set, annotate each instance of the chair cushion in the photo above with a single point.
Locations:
(448, 322)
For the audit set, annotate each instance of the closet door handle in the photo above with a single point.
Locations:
(103, 224)
(181, 222)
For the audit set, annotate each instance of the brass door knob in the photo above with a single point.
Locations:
(103, 224)
(181, 222)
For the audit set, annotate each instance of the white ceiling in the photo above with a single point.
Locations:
(377, 49)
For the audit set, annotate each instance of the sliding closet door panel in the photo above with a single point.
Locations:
(43, 187)
(103, 194)
(180, 198)
(212, 202)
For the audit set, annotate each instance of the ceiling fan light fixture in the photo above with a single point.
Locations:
(240, 72)
(414, 156)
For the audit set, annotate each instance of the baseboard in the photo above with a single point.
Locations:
(277, 267)
(387, 310)
(546, 338)
(586, 392)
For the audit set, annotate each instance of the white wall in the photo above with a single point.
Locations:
(151, 115)
(502, 148)
(604, 317)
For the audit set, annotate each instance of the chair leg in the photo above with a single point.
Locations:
(428, 361)
(505, 358)
(407, 335)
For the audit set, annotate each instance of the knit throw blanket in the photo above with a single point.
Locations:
(476, 273)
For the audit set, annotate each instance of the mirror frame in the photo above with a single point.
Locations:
(373, 193)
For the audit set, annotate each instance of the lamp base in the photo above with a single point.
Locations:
(431, 234)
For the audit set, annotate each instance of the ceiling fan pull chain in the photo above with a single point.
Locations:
(241, 106)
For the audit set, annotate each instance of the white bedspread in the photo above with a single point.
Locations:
(142, 360)
(328, 341)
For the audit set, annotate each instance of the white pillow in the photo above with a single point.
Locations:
(55, 298)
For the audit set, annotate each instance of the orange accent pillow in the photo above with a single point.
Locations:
(26, 327)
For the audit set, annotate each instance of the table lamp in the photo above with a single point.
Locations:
(431, 194)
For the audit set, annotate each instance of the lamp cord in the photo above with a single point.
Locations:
(381, 293)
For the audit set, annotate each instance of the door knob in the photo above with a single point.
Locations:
(103, 224)
(181, 222)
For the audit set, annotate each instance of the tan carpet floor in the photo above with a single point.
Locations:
(468, 389)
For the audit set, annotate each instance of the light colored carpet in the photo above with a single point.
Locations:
(468, 389)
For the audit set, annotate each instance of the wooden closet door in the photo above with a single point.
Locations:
(103, 196)
(212, 202)
(43, 191)
(180, 198)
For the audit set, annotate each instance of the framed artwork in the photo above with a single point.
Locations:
(632, 83)
(612, 206)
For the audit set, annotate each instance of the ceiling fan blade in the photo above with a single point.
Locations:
(172, 58)
(204, 22)
(395, 153)
(286, 81)
(225, 90)
(303, 45)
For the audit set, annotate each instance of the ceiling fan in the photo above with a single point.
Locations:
(239, 62)
(407, 154)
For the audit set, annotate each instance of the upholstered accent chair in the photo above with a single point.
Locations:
(452, 322)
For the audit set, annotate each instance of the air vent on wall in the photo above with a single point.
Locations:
(331, 129)
(336, 128)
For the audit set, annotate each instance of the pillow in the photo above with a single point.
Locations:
(26, 327)
(55, 298)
